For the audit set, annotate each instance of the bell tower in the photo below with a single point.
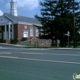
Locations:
(13, 7)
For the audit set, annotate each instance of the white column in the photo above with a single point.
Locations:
(12, 31)
(5, 32)
(9, 31)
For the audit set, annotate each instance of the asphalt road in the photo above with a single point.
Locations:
(44, 64)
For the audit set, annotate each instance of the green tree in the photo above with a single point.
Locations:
(57, 18)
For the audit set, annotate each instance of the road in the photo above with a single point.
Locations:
(35, 64)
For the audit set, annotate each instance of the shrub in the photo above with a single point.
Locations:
(24, 39)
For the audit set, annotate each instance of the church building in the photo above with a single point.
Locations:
(16, 28)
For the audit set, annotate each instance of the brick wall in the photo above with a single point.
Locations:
(15, 31)
(21, 28)
(18, 34)
(41, 42)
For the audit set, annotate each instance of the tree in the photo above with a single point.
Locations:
(57, 18)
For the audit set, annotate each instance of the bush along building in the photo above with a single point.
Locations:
(16, 29)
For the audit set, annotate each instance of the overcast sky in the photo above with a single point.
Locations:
(25, 7)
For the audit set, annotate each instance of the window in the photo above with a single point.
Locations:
(37, 32)
(25, 34)
(31, 31)
(0, 35)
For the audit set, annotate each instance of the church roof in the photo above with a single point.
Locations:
(21, 19)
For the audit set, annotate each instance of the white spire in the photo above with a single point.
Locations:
(13, 7)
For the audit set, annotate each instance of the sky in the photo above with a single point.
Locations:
(27, 8)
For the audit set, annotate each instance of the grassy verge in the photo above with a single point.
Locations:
(32, 46)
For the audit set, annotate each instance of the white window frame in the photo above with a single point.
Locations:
(25, 34)
(31, 31)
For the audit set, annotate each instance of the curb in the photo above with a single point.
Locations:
(40, 48)
(12, 44)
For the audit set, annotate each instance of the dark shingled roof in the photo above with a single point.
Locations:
(21, 19)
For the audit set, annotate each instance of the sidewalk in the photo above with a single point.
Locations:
(64, 48)
(12, 44)
(39, 48)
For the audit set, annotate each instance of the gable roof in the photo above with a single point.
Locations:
(3, 18)
(21, 19)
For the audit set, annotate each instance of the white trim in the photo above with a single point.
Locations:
(9, 30)
(2, 24)
(6, 23)
(25, 33)
(12, 31)
(5, 33)
(29, 23)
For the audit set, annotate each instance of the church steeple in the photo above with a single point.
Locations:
(13, 7)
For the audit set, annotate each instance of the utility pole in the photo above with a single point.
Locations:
(74, 21)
